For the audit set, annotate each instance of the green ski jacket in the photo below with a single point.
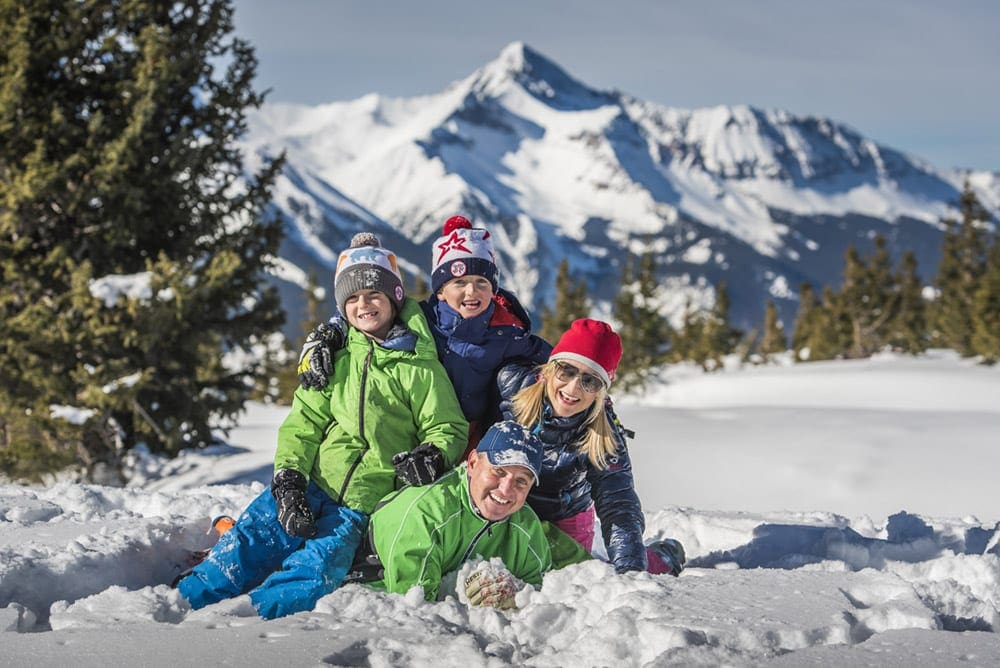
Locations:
(422, 533)
(382, 399)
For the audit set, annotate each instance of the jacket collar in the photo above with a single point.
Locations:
(400, 337)
(550, 419)
(449, 320)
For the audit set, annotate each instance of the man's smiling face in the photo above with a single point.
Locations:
(497, 491)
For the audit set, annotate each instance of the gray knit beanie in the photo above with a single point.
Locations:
(367, 266)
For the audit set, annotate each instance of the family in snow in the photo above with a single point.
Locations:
(428, 434)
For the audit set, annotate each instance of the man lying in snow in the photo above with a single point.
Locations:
(420, 534)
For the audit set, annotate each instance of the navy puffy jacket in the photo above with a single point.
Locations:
(570, 483)
(472, 349)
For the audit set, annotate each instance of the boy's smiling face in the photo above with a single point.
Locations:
(371, 312)
(468, 295)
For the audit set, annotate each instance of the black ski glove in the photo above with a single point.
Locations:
(316, 359)
(420, 466)
(289, 490)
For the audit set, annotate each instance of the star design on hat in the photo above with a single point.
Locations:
(454, 242)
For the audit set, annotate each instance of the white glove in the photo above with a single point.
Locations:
(492, 587)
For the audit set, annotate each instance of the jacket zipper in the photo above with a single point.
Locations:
(361, 422)
(475, 539)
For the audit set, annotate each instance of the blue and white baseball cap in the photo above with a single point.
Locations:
(508, 443)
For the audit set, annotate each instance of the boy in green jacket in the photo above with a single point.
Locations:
(341, 449)
(422, 533)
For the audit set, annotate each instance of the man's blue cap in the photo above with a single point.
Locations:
(508, 443)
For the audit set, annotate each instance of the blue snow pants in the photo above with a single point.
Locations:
(284, 574)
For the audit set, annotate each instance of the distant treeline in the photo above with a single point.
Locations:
(878, 306)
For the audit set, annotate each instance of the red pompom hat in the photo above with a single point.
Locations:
(592, 343)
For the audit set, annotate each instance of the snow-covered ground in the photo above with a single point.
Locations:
(840, 513)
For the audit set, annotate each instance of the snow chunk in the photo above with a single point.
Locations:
(71, 414)
(132, 286)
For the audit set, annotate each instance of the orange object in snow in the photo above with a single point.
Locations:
(222, 524)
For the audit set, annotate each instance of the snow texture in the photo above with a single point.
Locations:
(786, 485)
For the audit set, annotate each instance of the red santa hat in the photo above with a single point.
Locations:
(592, 343)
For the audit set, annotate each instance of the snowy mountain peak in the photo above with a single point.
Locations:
(521, 66)
(518, 57)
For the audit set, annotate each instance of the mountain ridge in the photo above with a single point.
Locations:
(763, 199)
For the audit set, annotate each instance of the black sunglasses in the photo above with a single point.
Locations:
(588, 381)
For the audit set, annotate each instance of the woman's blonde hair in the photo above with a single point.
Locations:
(597, 440)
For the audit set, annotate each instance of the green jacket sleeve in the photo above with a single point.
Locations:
(302, 432)
(437, 413)
(413, 555)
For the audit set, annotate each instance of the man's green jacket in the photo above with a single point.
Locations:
(422, 533)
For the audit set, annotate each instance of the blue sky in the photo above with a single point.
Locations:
(919, 76)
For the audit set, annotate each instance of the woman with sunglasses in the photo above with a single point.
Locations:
(586, 467)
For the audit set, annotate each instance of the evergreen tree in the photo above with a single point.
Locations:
(278, 379)
(571, 304)
(907, 331)
(773, 340)
(805, 321)
(718, 337)
(867, 299)
(986, 309)
(705, 337)
(644, 331)
(883, 290)
(962, 265)
(119, 167)
(421, 290)
(853, 298)
(280, 375)
(830, 337)
(623, 306)
(686, 342)
(314, 300)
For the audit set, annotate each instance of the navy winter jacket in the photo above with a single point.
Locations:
(570, 483)
(473, 349)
